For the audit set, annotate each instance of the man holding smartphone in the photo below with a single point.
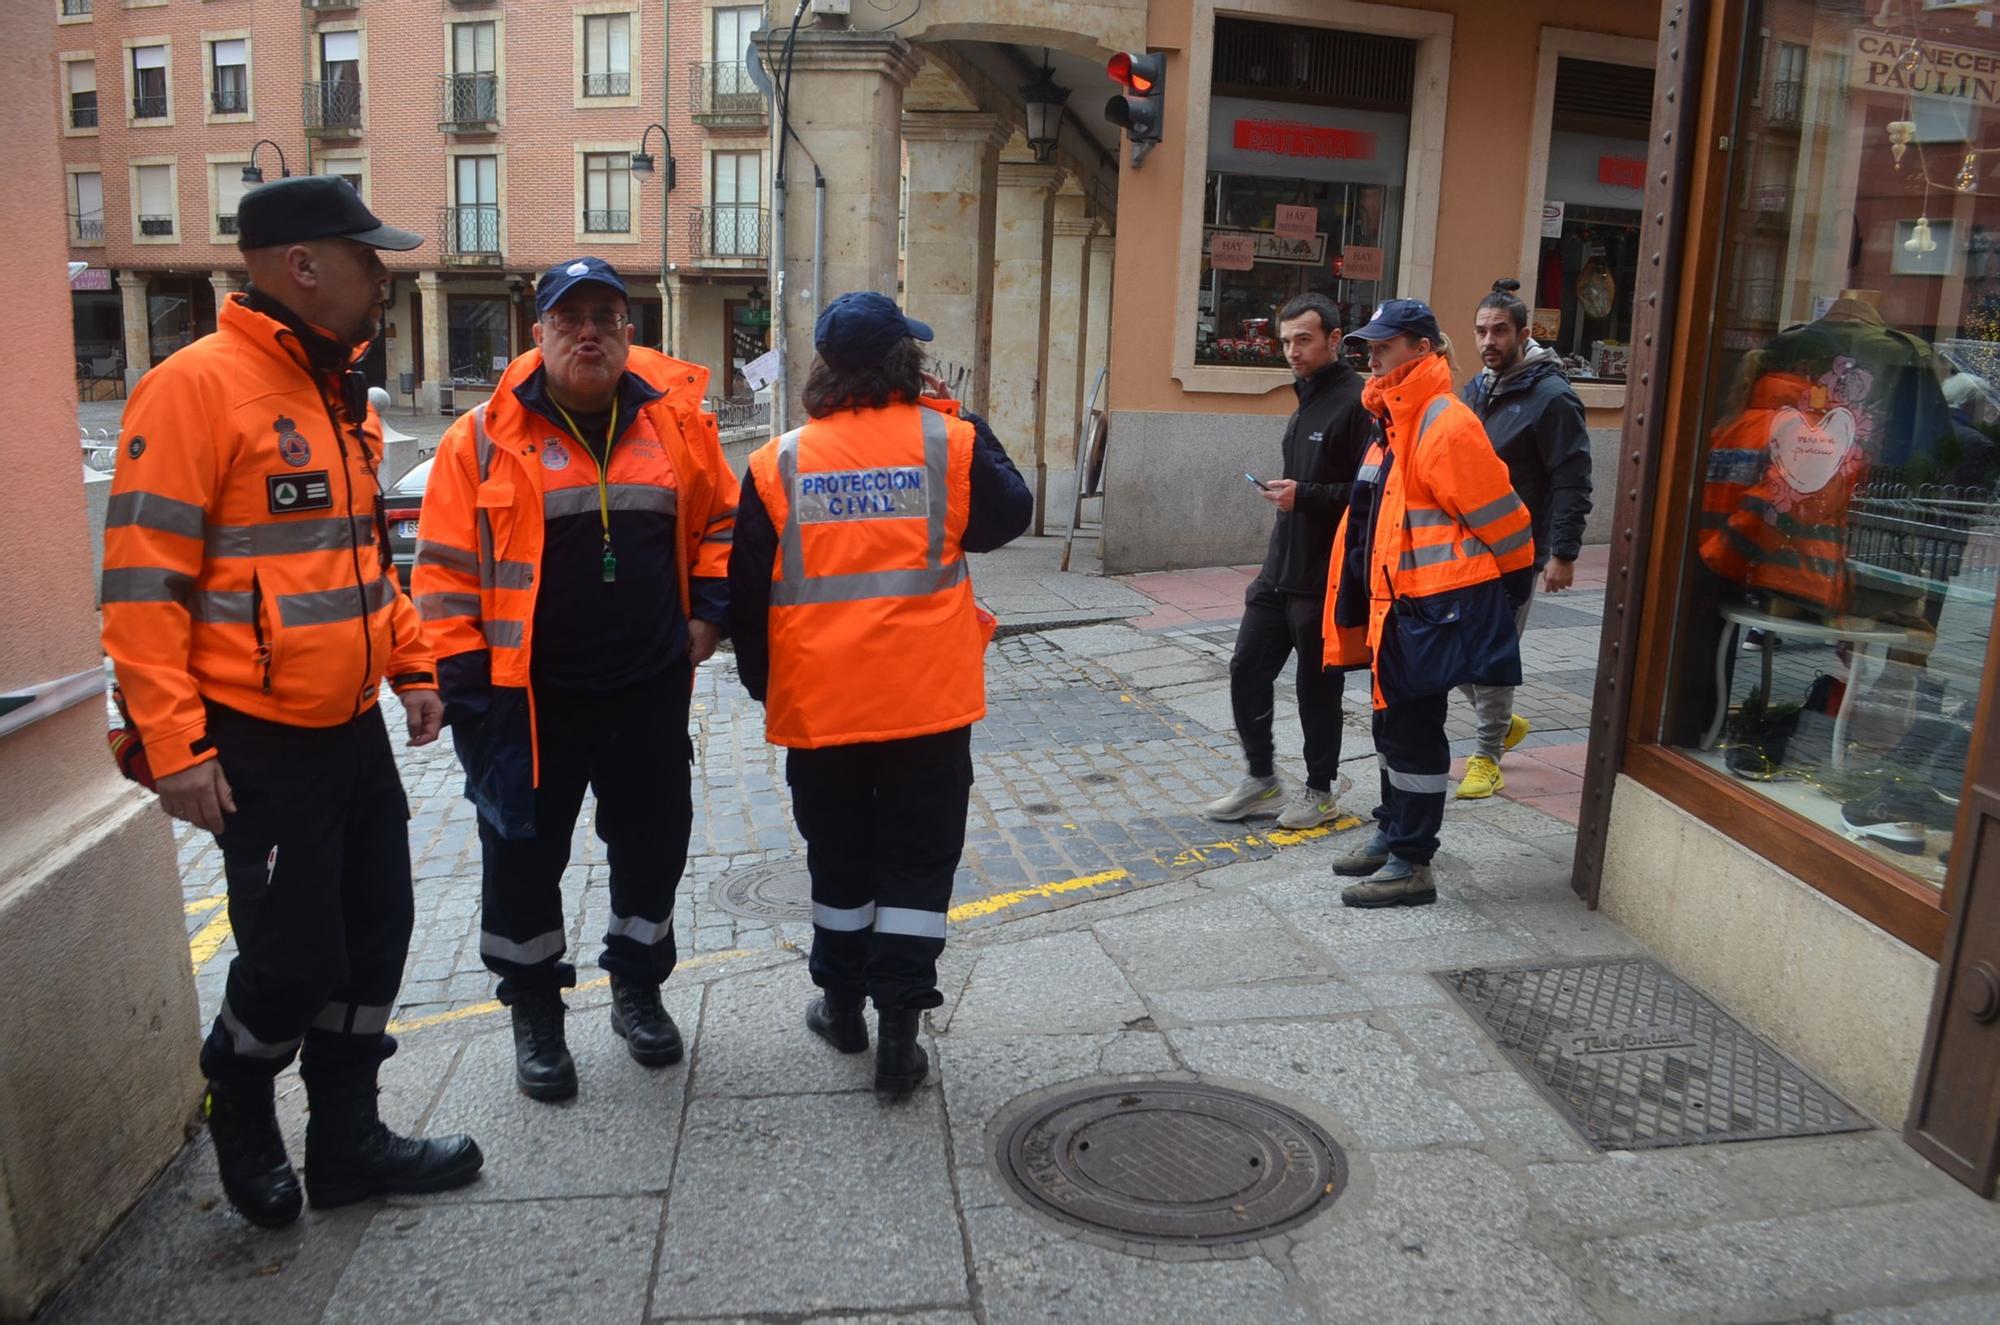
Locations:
(1322, 447)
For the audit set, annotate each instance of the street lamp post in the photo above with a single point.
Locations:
(252, 175)
(642, 164)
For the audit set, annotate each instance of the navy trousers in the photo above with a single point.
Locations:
(1415, 756)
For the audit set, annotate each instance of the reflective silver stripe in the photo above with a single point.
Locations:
(1493, 510)
(447, 557)
(276, 540)
(223, 607)
(1422, 517)
(326, 606)
(149, 510)
(1432, 413)
(915, 924)
(722, 517)
(483, 446)
(443, 606)
(145, 584)
(640, 930)
(514, 575)
(352, 1019)
(937, 467)
(791, 543)
(248, 1045)
(867, 584)
(1421, 784)
(1368, 474)
(503, 634)
(844, 921)
(1519, 538)
(623, 497)
(538, 949)
(726, 536)
(1429, 556)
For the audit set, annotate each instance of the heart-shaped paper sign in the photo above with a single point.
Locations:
(1809, 454)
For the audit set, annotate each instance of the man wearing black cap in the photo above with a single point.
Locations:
(571, 570)
(852, 611)
(252, 613)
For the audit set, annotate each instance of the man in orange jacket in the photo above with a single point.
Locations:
(252, 614)
(571, 568)
(1434, 553)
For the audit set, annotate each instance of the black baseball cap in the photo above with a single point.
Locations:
(859, 327)
(560, 279)
(303, 207)
(1400, 317)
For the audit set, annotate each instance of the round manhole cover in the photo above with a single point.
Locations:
(778, 890)
(1172, 1162)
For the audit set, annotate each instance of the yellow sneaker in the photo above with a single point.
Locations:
(1517, 732)
(1482, 778)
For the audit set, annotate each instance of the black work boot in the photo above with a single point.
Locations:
(250, 1152)
(352, 1155)
(838, 1022)
(543, 1068)
(649, 1033)
(900, 1062)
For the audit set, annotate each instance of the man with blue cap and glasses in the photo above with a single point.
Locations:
(852, 613)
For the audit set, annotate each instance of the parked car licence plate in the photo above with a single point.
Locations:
(406, 528)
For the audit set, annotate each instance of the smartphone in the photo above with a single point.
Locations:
(1257, 483)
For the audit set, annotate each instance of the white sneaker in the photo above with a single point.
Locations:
(1253, 798)
(1311, 809)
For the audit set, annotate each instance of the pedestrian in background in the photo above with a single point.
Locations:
(252, 614)
(572, 565)
(854, 624)
(1430, 563)
(1322, 447)
(1535, 422)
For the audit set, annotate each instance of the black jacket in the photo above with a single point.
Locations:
(1324, 442)
(1536, 424)
(1001, 510)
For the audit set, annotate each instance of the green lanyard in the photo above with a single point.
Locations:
(603, 480)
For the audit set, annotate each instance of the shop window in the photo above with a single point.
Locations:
(476, 336)
(1842, 568)
(1308, 143)
(1582, 292)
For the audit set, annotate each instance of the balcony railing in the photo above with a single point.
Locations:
(470, 233)
(748, 412)
(230, 100)
(331, 4)
(1786, 104)
(730, 230)
(607, 85)
(468, 103)
(156, 225)
(333, 108)
(75, 8)
(83, 117)
(607, 223)
(225, 223)
(90, 231)
(722, 94)
(149, 108)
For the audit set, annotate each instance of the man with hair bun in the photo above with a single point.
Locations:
(1536, 425)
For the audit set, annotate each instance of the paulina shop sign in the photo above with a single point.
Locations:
(1941, 71)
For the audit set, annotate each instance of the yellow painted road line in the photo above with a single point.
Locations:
(494, 1005)
(208, 940)
(986, 906)
(203, 906)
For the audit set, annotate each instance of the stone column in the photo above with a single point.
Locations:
(847, 107)
(1069, 278)
(437, 347)
(948, 251)
(225, 283)
(1097, 320)
(138, 327)
(1021, 246)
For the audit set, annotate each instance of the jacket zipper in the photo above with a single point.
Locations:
(263, 653)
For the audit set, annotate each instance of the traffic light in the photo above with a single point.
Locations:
(1141, 108)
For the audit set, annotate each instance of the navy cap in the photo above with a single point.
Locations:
(305, 207)
(1401, 317)
(861, 326)
(560, 279)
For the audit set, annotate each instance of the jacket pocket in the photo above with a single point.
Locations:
(1461, 637)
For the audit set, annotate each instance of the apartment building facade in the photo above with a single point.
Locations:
(512, 133)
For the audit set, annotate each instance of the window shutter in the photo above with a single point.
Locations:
(83, 76)
(155, 198)
(149, 57)
(339, 46)
(232, 52)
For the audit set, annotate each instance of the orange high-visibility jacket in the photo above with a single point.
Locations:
(1445, 517)
(874, 632)
(241, 558)
(479, 540)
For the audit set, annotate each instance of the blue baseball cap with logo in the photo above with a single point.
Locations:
(1400, 317)
(560, 279)
(861, 326)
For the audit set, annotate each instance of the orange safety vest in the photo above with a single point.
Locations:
(1445, 518)
(241, 557)
(501, 469)
(874, 632)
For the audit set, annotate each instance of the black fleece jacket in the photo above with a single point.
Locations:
(1324, 443)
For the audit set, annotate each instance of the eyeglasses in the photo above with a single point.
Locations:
(570, 323)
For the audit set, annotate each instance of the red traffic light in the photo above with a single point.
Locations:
(1141, 73)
